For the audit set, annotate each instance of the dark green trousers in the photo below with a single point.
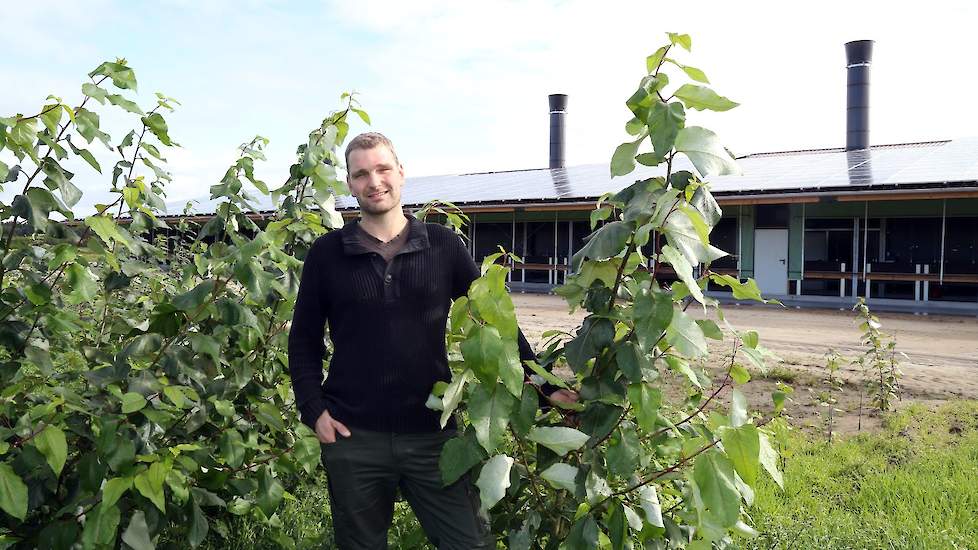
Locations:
(366, 470)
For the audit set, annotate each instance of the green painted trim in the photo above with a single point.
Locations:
(746, 221)
(796, 240)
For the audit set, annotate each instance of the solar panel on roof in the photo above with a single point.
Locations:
(835, 169)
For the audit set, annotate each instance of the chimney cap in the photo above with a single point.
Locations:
(558, 102)
(859, 51)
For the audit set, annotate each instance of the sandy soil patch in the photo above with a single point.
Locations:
(942, 351)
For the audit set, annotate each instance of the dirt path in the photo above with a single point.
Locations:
(942, 351)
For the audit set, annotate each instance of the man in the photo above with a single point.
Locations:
(384, 284)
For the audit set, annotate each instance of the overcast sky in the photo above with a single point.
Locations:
(462, 86)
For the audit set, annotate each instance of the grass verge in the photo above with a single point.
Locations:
(913, 485)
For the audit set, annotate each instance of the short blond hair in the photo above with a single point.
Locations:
(369, 140)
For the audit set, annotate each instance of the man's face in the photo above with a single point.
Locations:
(375, 179)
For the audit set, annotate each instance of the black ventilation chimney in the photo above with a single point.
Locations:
(859, 56)
(558, 110)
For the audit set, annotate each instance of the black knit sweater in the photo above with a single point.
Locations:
(387, 326)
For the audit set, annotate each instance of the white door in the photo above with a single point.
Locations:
(771, 261)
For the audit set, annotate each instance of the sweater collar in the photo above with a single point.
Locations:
(417, 237)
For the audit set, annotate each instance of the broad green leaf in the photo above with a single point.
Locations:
(458, 456)
(645, 401)
(623, 160)
(692, 241)
(609, 240)
(95, 92)
(686, 336)
(623, 452)
(558, 439)
(769, 459)
(198, 527)
(742, 291)
(523, 538)
(681, 366)
(157, 125)
(106, 228)
(596, 488)
(52, 444)
(136, 534)
(561, 476)
(705, 152)
(617, 526)
(526, 412)
(743, 447)
(665, 120)
(738, 408)
(546, 375)
(13, 492)
(714, 476)
(595, 334)
(682, 40)
(653, 312)
(122, 76)
(51, 117)
(270, 415)
(126, 104)
(132, 402)
(750, 338)
(632, 361)
(193, 299)
(703, 98)
(453, 395)
(695, 74)
(653, 61)
(270, 491)
(114, 489)
(599, 214)
(710, 329)
(87, 155)
(24, 132)
(481, 350)
(494, 480)
(489, 412)
(648, 498)
(583, 534)
(685, 272)
(149, 483)
(87, 123)
(232, 448)
(35, 207)
(739, 374)
(4, 172)
(101, 525)
(177, 397)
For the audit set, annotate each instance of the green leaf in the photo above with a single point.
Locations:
(599, 214)
(695, 74)
(665, 120)
(632, 361)
(558, 439)
(198, 527)
(122, 76)
(714, 476)
(653, 312)
(362, 114)
(703, 98)
(107, 230)
(4, 171)
(682, 40)
(232, 448)
(87, 155)
(453, 395)
(743, 447)
(270, 415)
(120, 101)
(24, 132)
(739, 374)
(738, 409)
(526, 413)
(52, 444)
(686, 336)
(623, 453)
(35, 206)
(114, 489)
(491, 300)
(157, 125)
(193, 299)
(686, 231)
(617, 526)
(51, 117)
(750, 338)
(95, 92)
(769, 459)
(607, 241)
(137, 534)
(648, 498)
(646, 401)
(684, 271)
(132, 402)
(561, 476)
(583, 534)
(623, 160)
(653, 61)
(489, 412)
(481, 350)
(13, 493)
(494, 480)
(270, 491)
(458, 456)
(101, 525)
(149, 483)
(595, 334)
(87, 123)
(741, 291)
(705, 152)
(710, 329)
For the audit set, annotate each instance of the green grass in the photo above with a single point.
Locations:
(914, 485)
